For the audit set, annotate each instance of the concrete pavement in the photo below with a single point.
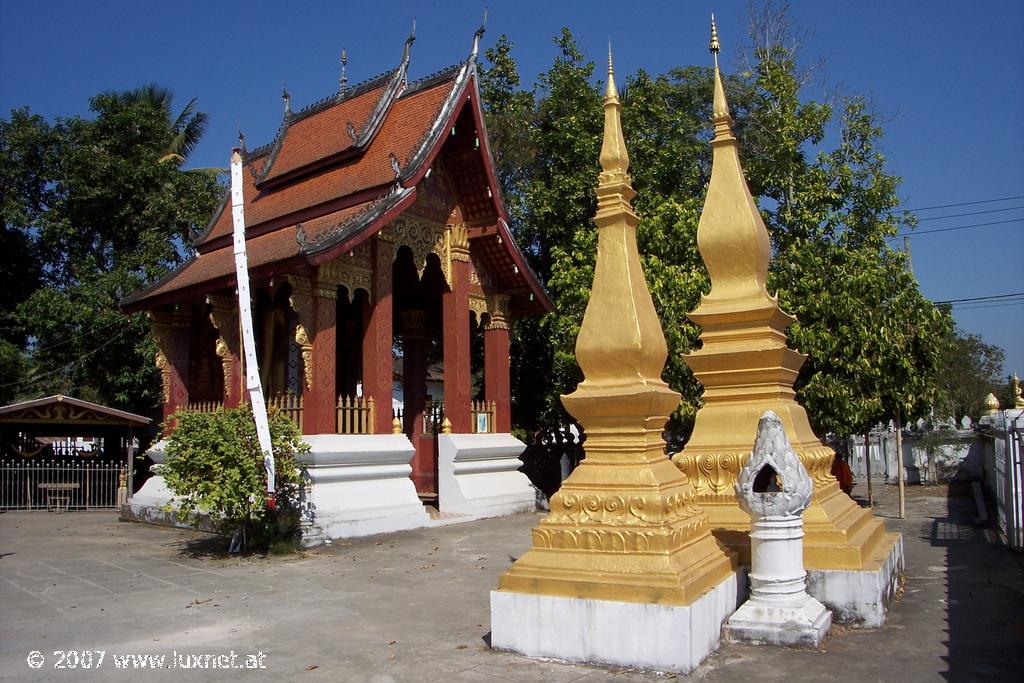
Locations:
(413, 606)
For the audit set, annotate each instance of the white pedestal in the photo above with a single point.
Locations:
(759, 624)
(662, 637)
(359, 485)
(478, 476)
(862, 596)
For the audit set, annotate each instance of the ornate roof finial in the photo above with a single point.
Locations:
(287, 98)
(241, 140)
(1018, 400)
(713, 46)
(343, 81)
(477, 36)
(408, 44)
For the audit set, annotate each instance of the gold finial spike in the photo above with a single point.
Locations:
(1018, 400)
(446, 426)
(713, 46)
(614, 157)
(396, 425)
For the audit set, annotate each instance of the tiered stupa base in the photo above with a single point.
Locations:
(643, 635)
(623, 571)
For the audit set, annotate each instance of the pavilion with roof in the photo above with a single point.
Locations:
(375, 229)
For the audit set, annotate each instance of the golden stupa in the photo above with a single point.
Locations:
(624, 525)
(746, 368)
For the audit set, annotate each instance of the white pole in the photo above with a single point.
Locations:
(252, 373)
(901, 471)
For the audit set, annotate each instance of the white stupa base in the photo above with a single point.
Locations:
(647, 636)
(758, 623)
(861, 597)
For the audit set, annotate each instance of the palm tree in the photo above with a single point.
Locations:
(186, 128)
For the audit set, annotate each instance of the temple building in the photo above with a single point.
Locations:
(378, 247)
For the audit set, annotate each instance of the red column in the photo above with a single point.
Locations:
(224, 316)
(173, 336)
(455, 304)
(497, 382)
(319, 403)
(378, 338)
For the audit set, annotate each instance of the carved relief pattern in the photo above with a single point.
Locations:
(165, 375)
(614, 522)
(301, 299)
(225, 321)
(458, 242)
(478, 305)
(345, 273)
(497, 304)
(714, 475)
(306, 348)
(421, 238)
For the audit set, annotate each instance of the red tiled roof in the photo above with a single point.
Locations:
(262, 250)
(324, 134)
(403, 130)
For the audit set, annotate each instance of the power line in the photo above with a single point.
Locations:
(980, 298)
(977, 307)
(958, 227)
(971, 213)
(949, 206)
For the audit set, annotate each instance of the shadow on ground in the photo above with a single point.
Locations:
(980, 571)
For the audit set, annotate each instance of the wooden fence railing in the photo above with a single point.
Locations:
(204, 406)
(355, 415)
(289, 404)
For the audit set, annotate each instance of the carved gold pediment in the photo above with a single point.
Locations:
(422, 238)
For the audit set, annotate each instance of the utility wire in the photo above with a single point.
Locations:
(981, 298)
(958, 227)
(971, 213)
(29, 381)
(949, 206)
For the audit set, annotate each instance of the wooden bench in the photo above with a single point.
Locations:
(58, 495)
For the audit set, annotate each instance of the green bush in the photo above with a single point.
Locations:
(215, 467)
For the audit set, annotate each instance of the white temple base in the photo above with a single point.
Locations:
(662, 637)
(760, 624)
(478, 476)
(359, 485)
(154, 503)
(861, 597)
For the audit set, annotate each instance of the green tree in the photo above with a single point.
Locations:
(873, 341)
(107, 209)
(970, 369)
(215, 467)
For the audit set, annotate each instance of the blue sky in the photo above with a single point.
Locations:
(949, 77)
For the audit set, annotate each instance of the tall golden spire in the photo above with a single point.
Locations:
(730, 216)
(623, 526)
(746, 368)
